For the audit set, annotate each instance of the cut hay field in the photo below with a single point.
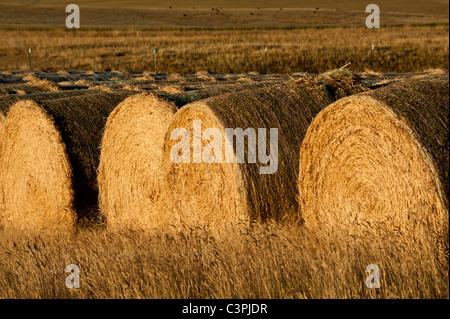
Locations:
(311, 49)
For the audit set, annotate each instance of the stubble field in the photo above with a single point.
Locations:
(397, 49)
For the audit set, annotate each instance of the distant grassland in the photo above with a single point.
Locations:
(437, 7)
(312, 49)
(110, 16)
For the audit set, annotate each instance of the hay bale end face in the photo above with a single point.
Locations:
(379, 159)
(202, 194)
(35, 174)
(130, 179)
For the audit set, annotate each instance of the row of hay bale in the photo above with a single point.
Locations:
(345, 156)
(50, 152)
(377, 157)
(140, 186)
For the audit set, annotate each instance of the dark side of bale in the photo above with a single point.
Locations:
(190, 96)
(6, 101)
(423, 103)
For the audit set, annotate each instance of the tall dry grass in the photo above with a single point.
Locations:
(267, 261)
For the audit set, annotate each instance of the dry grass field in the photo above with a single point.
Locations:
(211, 62)
(397, 49)
(227, 38)
(268, 261)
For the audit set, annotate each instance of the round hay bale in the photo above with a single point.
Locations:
(101, 87)
(218, 193)
(203, 194)
(145, 77)
(130, 87)
(35, 175)
(206, 78)
(42, 83)
(79, 122)
(83, 82)
(130, 179)
(379, 159)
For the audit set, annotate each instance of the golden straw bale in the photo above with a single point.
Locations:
(144, 77)
(130, 87)
(83, 82)
(101, 87)
(78, 122)
(171, 89)
(379, 159)
(206, 78)
(130, 179)
(175, 77)
(35, 175)
(41, 83)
